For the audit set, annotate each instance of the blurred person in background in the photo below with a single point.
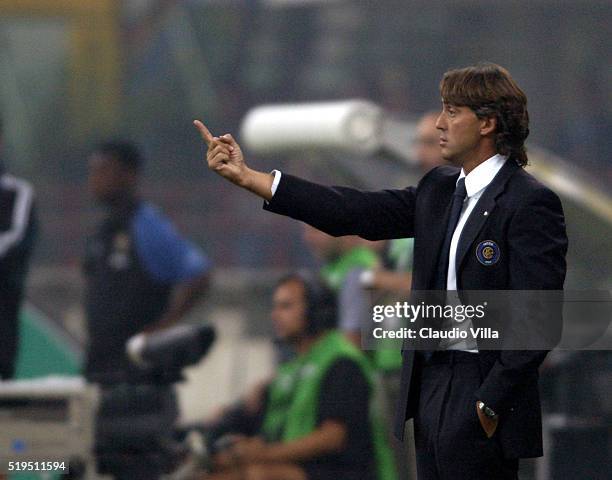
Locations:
(398, 278)
(17, 236)
(337, 257)
(342, 260)
(427, 151)
(142, 275)
(316, 418)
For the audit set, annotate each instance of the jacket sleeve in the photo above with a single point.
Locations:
(341, 211)
(538, 245)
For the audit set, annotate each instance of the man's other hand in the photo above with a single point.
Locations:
(488, 424)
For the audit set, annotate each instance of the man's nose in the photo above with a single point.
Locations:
(440, 122)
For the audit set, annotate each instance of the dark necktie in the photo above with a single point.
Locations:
(453, 219)
(442, 272)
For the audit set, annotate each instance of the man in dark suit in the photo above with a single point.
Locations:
(481, 224)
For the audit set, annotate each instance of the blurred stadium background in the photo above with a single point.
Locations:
(73, 72)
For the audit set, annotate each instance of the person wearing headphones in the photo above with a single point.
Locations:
(315, 418)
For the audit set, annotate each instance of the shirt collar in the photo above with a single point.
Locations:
(479, 178)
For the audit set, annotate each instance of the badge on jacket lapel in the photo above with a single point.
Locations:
(488, 252)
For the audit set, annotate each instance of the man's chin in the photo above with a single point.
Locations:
(450, 158)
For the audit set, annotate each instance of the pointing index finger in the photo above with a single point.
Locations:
(204, 132)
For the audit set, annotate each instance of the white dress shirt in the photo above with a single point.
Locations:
(475, 183)
(276, 181)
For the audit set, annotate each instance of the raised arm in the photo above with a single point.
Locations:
(335, 210)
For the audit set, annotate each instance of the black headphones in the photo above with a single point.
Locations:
(321, 303)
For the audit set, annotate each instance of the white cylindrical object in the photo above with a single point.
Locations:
(353, 125)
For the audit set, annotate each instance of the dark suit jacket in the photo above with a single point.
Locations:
(523, 217)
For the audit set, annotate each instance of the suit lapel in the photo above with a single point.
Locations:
(482, 211)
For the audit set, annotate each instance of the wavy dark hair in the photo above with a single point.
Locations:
(490, 91)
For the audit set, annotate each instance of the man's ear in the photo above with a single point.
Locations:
(488, 125)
